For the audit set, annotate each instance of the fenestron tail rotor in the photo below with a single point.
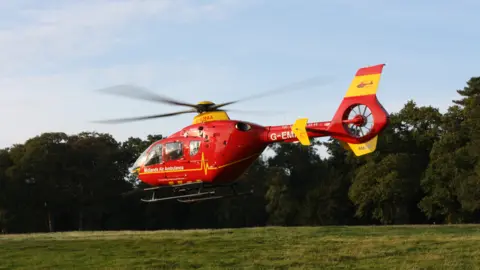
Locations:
(141, 93)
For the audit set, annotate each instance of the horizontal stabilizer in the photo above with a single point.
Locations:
(299, 128)
(364, 148)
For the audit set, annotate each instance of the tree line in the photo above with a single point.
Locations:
(426, 170)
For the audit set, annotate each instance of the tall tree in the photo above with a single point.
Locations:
(98, 177)
(387, 188)
(5, 163)
(40, 170)
(452, 178)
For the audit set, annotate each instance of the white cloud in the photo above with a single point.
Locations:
(47, 36)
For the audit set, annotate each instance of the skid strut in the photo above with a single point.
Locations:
(194, 192)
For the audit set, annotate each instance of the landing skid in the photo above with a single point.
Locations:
(194, 192)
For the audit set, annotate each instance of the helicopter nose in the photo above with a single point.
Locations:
(134, 170)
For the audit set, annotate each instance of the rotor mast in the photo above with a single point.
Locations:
(205, 115)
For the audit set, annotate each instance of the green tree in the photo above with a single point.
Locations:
(387, 187)
(98, 172)
(452, 178)
(5, 163)
(40, 172)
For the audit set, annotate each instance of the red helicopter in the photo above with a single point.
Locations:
(215, 150)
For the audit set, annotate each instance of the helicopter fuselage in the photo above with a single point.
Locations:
(216, 152)
(215, 149)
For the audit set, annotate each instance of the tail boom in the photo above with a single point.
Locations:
(356, 123)
(299, 131)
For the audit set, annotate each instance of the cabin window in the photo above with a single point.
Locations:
(173, 151)
(194, 147)
(154, 156)
(243, 126)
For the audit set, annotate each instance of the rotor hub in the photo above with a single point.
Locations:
(359, 120)
(204, 106)
(206, 102)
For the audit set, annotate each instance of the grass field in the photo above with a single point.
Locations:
(405, 247)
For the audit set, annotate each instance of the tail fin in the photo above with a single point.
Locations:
(365, 81)
(360, 116)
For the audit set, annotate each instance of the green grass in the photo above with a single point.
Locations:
(396, 247)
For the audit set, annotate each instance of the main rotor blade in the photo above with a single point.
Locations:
(141, 118)
(137, 92)
(254, 111)
(314, 81)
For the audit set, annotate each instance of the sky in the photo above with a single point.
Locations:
(55, 54)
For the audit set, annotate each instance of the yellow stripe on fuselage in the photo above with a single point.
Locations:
(203, 166)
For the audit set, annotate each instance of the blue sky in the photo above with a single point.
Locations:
(54, 55)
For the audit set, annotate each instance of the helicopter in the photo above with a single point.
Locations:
(214, 151)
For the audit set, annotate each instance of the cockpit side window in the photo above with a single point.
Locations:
(154, 156)
(173, 151)
(194, 147)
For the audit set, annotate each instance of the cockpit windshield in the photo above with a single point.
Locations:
(154, 156)
(140, 160)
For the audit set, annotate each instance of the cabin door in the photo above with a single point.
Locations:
(176, 162)
(197, 159)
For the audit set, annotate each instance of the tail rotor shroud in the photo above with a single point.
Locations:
(358, 120)
(360, 117)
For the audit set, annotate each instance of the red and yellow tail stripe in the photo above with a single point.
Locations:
(365, 81)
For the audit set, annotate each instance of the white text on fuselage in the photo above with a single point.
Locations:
(161, 169)
(284, 135)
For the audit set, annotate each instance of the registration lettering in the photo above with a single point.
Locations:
(204, 118)
(284, 135)
(287, 135)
